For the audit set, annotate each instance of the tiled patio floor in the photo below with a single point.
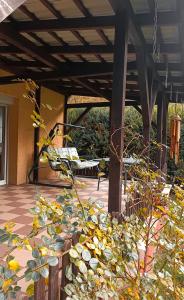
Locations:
(15, 202)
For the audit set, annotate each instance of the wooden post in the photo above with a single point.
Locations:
(65, 263)
(164, 136)
(159, 132)
(39, 289)
(36, 136)
(117, 111)
(53, 290)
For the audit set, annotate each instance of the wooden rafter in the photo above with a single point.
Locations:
(10, 35)
(90, 49)
(66, 24)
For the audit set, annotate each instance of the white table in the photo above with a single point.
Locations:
(128, 162)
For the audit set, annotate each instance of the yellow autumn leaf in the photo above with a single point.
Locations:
(36, 224)
(6, 284)
(13, 265)
(27, 244)
(91, 211)
(44, 251)
(30, 290)
(99, 233)
(90, 225)
(97, 251)
(9, 226)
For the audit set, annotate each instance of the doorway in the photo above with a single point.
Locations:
(3, 146)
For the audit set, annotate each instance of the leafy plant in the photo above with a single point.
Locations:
(138, 256)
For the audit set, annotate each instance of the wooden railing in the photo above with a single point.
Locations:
(57, 280)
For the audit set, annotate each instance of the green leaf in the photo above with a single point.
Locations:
(79, 248)
(34, 210)
(52, 261)
(82, 267)
(35, 253)
(73, 253)
(31, 264)
(60, 198)
(86, 255)
(28, 275)
(4, 238)
(93, 263)
(44, 272)
(107, 253)
(35, 276)
(69, 272)
(57, 246)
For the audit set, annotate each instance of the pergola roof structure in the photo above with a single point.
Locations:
(68, 45)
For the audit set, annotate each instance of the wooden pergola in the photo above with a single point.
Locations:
(101, 48)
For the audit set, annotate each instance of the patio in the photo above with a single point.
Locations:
(15, 201)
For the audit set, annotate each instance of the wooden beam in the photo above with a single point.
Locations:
(9, 34)
(98, 104)
(69, 70)
(164, 19)
(139, 110)
(66, 24)
(90, 105)
(117, 112)
(91, 49)
(92, 87)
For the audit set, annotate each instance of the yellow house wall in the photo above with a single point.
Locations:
(51, 117)
(20, 129)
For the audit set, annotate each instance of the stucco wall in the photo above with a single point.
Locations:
(51, 117)
(21, 131)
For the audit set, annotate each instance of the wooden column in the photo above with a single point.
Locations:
(159, 132)
(36, 136)
(164, 136)
(117, 111)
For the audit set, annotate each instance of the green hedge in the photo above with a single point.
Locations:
(93, 142)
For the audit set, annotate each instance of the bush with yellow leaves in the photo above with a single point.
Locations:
(140, 257)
